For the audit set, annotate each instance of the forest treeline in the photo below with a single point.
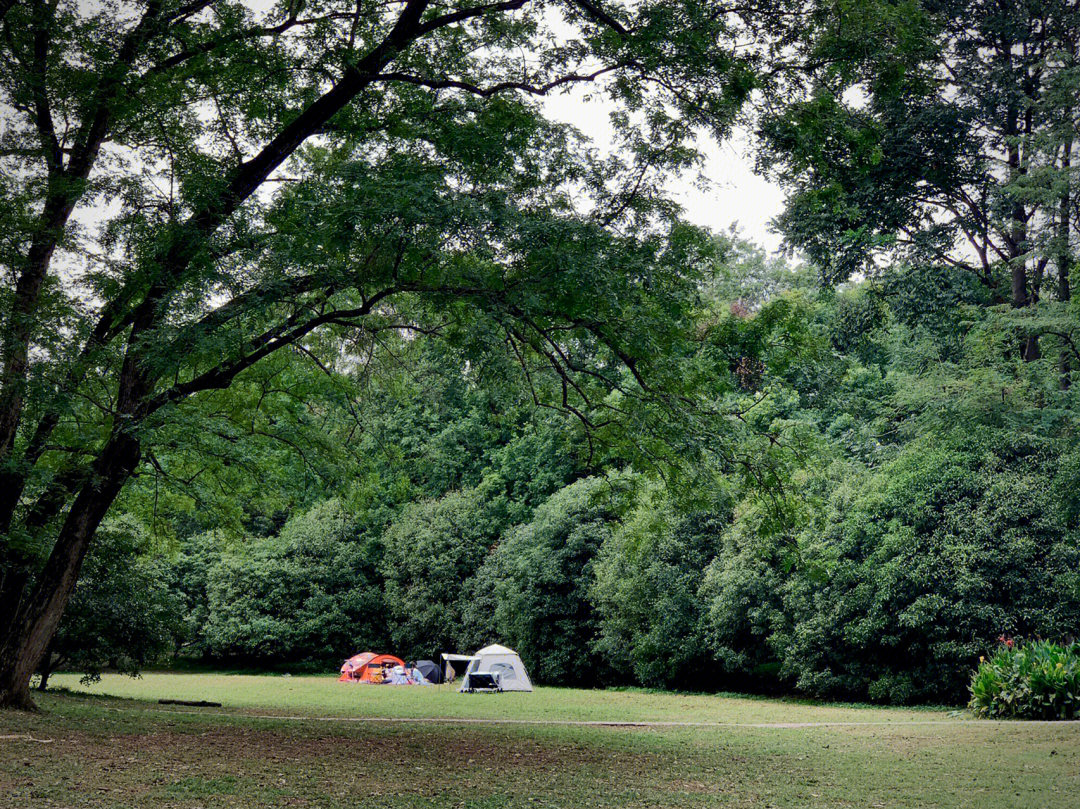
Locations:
(923, 504)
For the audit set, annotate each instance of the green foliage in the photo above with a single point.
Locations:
(431, 549)
(741, 599)
(915, 133)
(539, 578)
(885, 510)
(216, 203)
(123, 615)
(1028, 680)
(306, 594)
(935, 500)
(917, 565)
(645, 591)
(439, 464)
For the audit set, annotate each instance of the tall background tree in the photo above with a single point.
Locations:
(938, 133)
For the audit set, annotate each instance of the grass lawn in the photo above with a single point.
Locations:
(112, 746)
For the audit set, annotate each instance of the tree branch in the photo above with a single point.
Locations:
(594, 12)
(499, 87)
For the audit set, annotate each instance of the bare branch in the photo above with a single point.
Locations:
(499, 87)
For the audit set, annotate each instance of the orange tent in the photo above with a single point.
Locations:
(368, 667)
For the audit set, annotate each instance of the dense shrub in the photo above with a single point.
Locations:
(646, 593)
(901, 488)
(883, 586)
(309, 594)
(955, 541)
(1036, 680)
(741, 597)
(433, 548)
(539, 580)
(190, 570)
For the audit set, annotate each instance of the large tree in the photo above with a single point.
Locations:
(191, 185)
(937, 132)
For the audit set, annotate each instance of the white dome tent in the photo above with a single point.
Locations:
(496, 659)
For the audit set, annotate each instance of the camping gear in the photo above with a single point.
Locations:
(369, 667)
(430, 670)
(481, 681)
(450, 671)
(496, 659)
(398, 676)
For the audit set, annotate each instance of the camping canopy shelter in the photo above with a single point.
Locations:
(502, 661)
(452, 664)
(368, 667)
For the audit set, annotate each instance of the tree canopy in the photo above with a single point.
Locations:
(194, 186)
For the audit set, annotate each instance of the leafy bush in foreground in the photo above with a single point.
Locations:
(1036, 680)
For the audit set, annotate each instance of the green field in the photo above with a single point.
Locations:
(292, 741)
(325, 696)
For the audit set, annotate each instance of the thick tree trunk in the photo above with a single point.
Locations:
(26, 636)
(14, 682)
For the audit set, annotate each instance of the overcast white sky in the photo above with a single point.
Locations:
(733, 193)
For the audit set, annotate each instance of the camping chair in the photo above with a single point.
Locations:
(481, 681)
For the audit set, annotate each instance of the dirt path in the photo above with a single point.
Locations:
(435, 720)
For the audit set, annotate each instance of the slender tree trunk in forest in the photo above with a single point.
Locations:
(1022, 297)
(1032, 350)
(1064, 256)
(1018, 235)
(46, 668)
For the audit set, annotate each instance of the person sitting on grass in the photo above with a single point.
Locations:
(416, 677)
